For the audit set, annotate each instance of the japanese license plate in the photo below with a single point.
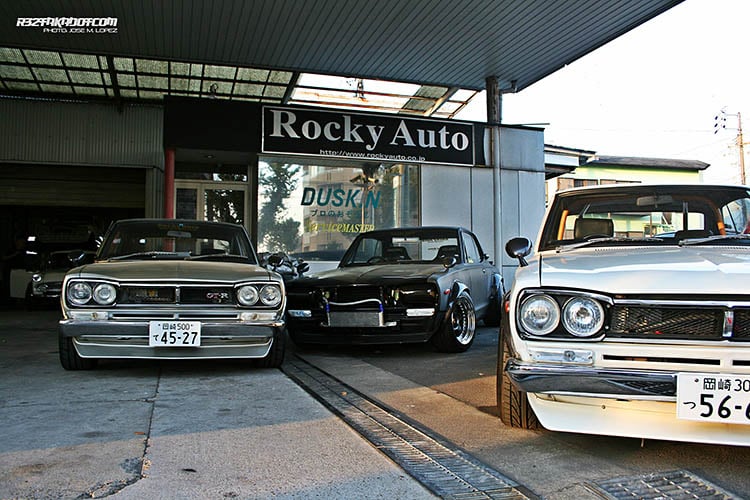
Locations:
(713, 397)
(174, 333)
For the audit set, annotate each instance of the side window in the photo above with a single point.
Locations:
(472, 251)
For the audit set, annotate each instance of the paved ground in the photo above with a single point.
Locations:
(171, 430)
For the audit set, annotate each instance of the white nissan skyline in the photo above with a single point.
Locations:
(632, 316)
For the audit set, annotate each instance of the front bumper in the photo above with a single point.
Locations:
(592, 382)
(129, 339)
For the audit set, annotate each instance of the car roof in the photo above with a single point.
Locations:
(415, 229)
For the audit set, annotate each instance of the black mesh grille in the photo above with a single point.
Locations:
(666, 322)
(355, 293)
(147, 295)
(207, 295)
(742, 325)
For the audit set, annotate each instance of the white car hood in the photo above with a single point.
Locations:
(650, 270)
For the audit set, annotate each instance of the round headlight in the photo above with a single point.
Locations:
(105, 294)
(270, 295)
(539, 314)
(247, 295)
(79, 293)
(582, 316)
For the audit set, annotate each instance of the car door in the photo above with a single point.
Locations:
(479, 269)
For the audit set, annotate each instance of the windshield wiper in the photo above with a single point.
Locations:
(614, 239)
(217, 256)
(152, 254)
(710, 239)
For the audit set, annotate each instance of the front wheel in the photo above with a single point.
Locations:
(459, 328)
(513, 404)
(275, 356)
(69, 358)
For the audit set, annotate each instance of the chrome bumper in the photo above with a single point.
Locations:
(120, 339)
(592, 382)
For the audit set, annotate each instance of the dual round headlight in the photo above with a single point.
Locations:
(267, 295)
(581, 316)
(81, 293)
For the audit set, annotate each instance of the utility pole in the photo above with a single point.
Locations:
(721, 123)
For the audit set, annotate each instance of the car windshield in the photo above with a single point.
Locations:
(653, 215)
(146, 239)
(403, 247)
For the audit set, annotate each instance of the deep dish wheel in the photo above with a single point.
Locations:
(513, 405)
(457, 334)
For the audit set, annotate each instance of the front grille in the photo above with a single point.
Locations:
(207, 295)
(669, 322)
(354, 293)
(742, 325)
(154, 295)
(147, 295)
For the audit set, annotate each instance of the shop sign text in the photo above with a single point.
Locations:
(369, 137)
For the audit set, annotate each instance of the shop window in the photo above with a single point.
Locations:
(315, 211)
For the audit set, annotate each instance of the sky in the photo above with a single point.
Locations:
(653, 92)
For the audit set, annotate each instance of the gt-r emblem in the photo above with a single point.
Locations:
(217, 297)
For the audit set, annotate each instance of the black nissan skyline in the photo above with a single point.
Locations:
(404, 285)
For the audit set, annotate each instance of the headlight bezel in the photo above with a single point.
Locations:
(563, 298)
(259, 299)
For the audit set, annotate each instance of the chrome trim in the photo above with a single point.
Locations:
(688, 303)
(561, 291)
(592, 382)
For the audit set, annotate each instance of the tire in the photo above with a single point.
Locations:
(512, 404)
(275, 356)
(459, 328)
(69, 358)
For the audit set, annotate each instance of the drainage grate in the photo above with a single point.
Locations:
(673, 485)
(446, 472)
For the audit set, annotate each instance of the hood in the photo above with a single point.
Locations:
(650, 270)
(372, 275)
(174, 270)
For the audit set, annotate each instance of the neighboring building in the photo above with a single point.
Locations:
(600, 170)
(597, 170)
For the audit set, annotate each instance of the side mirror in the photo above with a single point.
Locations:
(518, 248)
(449, 262)
(275, 260)
(302, 268)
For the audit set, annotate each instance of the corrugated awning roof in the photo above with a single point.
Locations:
(638, 162)
(327, 52)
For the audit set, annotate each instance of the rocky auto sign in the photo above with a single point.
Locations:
(381, 138)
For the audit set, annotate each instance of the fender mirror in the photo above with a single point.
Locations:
(275, 260)
(449, 262)
(518, 248)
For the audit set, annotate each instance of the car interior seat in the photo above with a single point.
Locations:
(448, 251)
(396, 253)
(590, 227)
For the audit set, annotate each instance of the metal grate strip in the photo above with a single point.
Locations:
(673, 485)
(446, 472)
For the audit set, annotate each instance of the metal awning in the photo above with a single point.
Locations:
(426, 57)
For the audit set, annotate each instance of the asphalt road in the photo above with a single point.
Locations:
(140, 429)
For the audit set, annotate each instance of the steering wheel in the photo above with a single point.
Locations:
(375, 259)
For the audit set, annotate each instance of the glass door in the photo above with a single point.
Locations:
(212, 201)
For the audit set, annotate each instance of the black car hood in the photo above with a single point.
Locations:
(369, 275)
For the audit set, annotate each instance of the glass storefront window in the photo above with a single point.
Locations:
(314, 211)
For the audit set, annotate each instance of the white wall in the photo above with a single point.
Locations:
(463, 196)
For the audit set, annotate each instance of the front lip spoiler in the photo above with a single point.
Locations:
(592, 382)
